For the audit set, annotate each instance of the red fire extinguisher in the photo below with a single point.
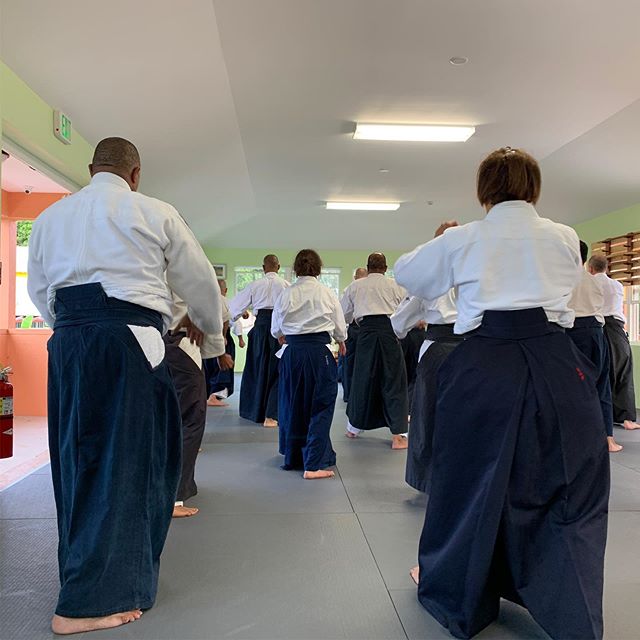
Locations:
(6, 414)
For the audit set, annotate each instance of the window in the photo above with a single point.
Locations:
(246, 275)
(632, 311)
(27, 316)
(330, 277)
(623, 254)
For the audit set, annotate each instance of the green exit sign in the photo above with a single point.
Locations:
(62, 127)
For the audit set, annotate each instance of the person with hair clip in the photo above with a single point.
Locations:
(305, 318)
(378, 390)
(520, 482)
(259, 386)
(587, 301)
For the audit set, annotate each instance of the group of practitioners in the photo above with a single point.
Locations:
(507, 358)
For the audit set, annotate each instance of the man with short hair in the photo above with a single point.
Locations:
(621, 370)
(378, 392)
(587, 334)
(259, 387)
(103, 264)
(352, 340)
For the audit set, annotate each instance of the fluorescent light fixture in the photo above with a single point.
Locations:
(364, 206)
(413, 132)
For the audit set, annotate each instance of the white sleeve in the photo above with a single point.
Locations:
(346, 302)
(340, 330)
(190, 274)
(280, 307)
(427, 272)
(237, 328)
(241, 302)
(37, 283)
(407, 315)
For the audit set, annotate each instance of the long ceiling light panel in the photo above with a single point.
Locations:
(364, 206)
(413, 132)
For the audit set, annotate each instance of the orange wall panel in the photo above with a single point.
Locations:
(27, 356)
(22, 206)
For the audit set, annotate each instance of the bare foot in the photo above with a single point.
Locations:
(270, 423)
(415, 574)
(214, 401)
(317, 475)
(630, 425)
(353, 436)
(180, 511)
(614, 447)
(399, 442)
(66, 626)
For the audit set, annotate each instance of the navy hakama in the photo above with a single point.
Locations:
(588, 335)
(520, 486)
(419, 454)
(378, 390)
(259, 388)
(191, 388)
(411, 344)
(349, 359)
(115, 442)
(218, 380)
(308, 388)
(621, 375)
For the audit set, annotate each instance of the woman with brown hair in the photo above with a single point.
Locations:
(520, 483)
(305, 317)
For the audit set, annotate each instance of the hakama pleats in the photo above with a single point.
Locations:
(191, 388)
(378, 391)
(351, 343)
(218, 380)
(307, 394)
(621, 374)
(520, 485)
(115, 443)
(419, 454)
(588, 335)
(411, 350)
(259, 388)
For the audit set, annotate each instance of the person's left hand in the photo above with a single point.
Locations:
(241, 342)
(342, 349)
(282, 340)
(225, 362)
(421, 325)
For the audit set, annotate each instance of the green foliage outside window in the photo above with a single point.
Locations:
(24, 232)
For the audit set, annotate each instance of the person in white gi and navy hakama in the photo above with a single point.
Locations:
(186, 349)
(587, 301)
(520, 483)
(305, 318)
(439, 342)
(103, 263)
(378, 389)
(349, 358)
(623, 394)
(259, 386)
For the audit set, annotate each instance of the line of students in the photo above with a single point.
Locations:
(509, 422)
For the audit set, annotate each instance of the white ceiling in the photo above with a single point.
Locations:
(18, 176)
(242, 108)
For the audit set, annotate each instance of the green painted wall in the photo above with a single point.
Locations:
(27, 120)
(610, 225)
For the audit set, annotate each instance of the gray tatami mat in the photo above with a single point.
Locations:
(273, 556)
